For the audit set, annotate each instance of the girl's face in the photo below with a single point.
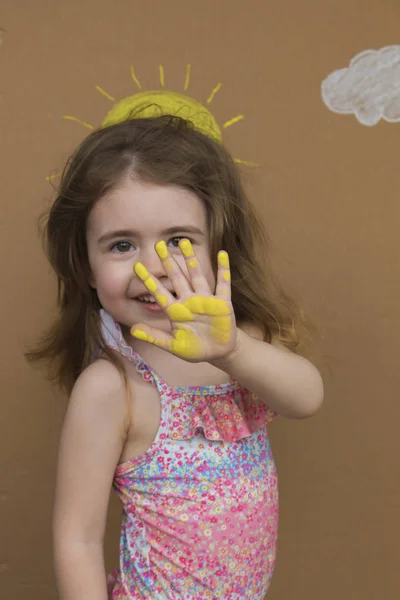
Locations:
(124, 227)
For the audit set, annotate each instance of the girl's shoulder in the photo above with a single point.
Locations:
(101, 390)
(101, 376)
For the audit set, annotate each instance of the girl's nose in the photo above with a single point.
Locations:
(150, 259)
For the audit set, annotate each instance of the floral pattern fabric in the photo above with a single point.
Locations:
(200, 506)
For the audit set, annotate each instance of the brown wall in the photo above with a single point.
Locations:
(328, 190)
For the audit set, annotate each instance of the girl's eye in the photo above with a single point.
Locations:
(179, 238)
(121, 247)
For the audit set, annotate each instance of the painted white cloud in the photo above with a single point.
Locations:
(369, 87)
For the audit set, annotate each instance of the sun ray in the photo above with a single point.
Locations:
(233, 121)
(162, 80)
(239, 161)
(55, 176)
(187, 78)
(215, 91)
(69, 118)
(135, 79)
(145, 104)
(99, 89)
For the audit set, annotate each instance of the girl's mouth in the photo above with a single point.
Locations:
(148, 299)
(148, 303)
(150, 306)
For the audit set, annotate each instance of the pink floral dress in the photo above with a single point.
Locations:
(200, 506)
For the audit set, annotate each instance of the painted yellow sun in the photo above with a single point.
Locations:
(163, 101)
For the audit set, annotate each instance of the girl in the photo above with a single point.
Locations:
(178, 355)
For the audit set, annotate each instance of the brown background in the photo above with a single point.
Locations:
(329, 193)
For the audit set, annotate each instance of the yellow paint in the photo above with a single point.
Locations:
(186, 248)
(223, 259)
(216, 307)
(135, 79)
(164, 102)
(55, 176)
(221, 336)
(162, 80)
(185, 342)
(222, 323)
(221, 329)
(226, 276)
(143, 274)
(179, 312)
(187, 78)
(139, 334)
(108, 96)
(215, 91)
(186, 345)
(207, 305)
(168, 264)
(69, 118)
(233, 121)
(150, 285)
(196, 305)
(192, 263)
(162, 250)
(182, 334)
(141, 271)
(239, 161)
(162, 300)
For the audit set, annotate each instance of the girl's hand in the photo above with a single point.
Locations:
(203, 325)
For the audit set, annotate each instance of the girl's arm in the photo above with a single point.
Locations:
(290, 385)
(91, 442)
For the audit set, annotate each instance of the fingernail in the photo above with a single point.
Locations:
(223, 259)
(150, 285)
(186, 248)
(161, 299)
(162, 250)
(139, 334)
(141, 271)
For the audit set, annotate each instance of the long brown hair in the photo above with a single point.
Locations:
(162, 150)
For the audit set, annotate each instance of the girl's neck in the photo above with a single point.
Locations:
(174, 370)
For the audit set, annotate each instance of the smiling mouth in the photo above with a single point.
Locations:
(148, 298)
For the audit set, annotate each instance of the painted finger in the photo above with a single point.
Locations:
(151, 335)
(175, 273)
(184, 343)
(161, 295)
(199, 282)
(223, 287)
